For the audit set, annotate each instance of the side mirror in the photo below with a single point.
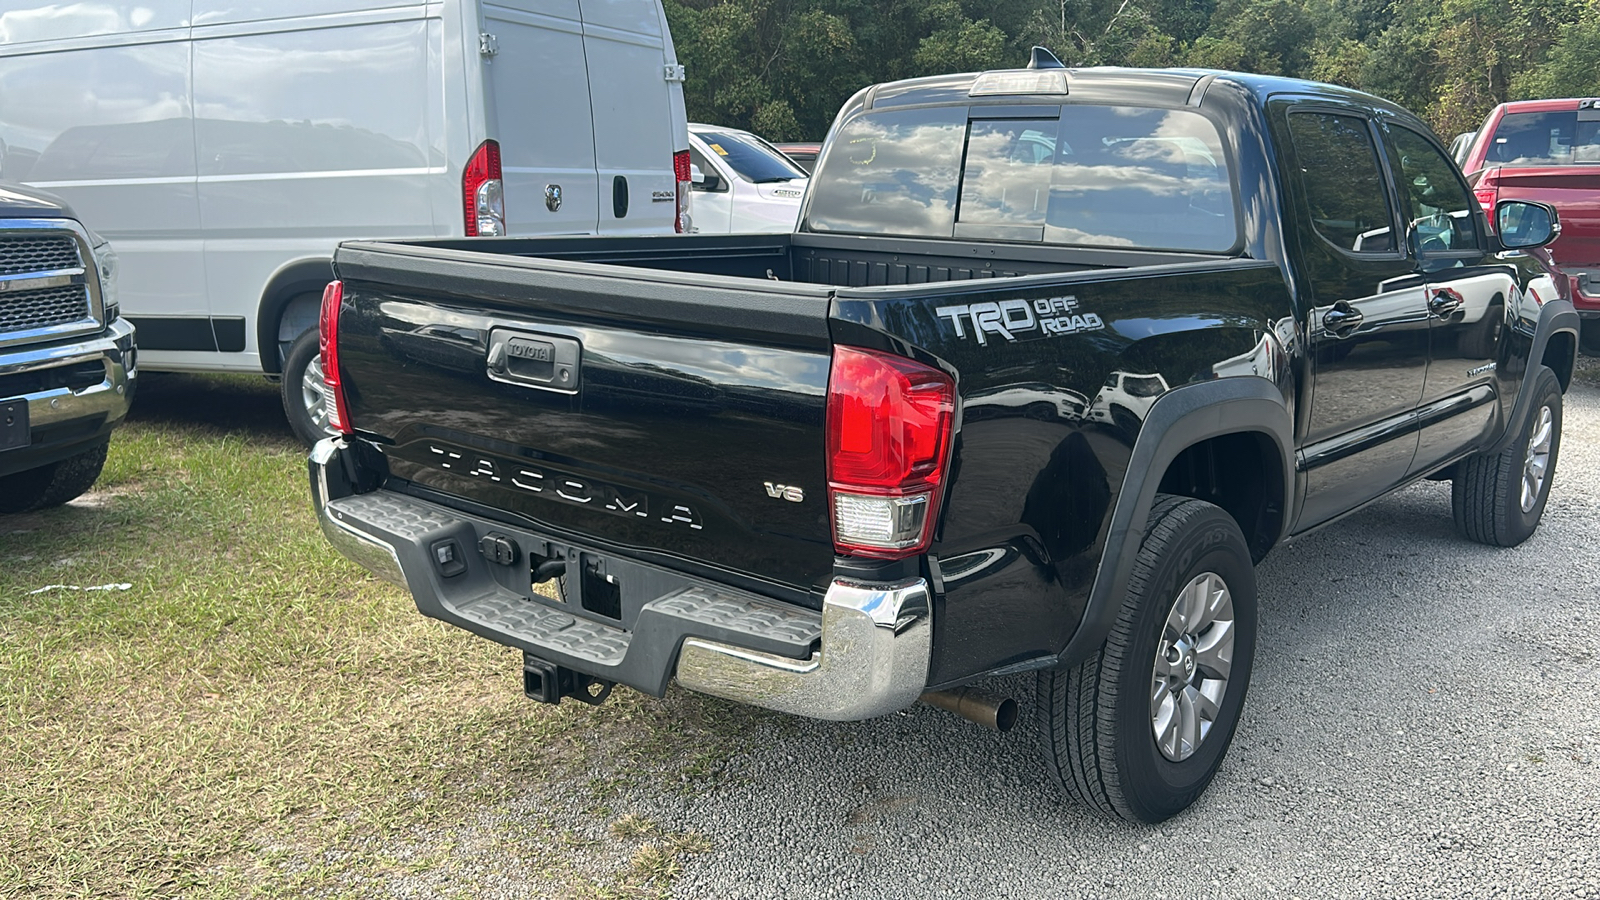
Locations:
(1524, 224)
(704, 181)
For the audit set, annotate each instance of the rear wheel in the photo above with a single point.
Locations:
(305, 397)
(1500, 499)
(1140, 728)
(54, 484)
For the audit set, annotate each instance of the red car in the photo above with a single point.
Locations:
(804, 153)
(1549, 150)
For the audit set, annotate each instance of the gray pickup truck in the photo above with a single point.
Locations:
(67, 359)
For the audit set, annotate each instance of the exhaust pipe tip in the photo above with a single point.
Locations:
(990, 711)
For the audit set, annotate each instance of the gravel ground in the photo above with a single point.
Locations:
(1424, 721)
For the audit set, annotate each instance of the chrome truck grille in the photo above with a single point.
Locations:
(32, 310)
(46, 291)
(30, 254)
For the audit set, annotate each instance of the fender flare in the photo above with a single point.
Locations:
(306, 276)
(1555, 317)
(1181, 418)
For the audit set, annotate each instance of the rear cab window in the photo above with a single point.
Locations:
(1081, 175)
(1559, 138)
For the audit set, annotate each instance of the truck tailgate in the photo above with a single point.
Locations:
(673, 418)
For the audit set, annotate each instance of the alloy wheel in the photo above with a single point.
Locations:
(1193, 660)
(1536, 466)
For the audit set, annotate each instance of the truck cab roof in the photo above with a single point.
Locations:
(1101, 85)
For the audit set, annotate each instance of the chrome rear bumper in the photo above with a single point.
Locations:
(869, 648)
(876, 643)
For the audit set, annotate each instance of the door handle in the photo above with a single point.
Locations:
(1444, 302)
(1342, 319)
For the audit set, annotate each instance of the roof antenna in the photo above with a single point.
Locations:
(1044, 59)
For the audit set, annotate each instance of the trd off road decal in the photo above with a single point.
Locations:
(1020, 320)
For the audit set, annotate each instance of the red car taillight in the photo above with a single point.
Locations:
(328, 342)
(1488, 193)
(888, 433)
(680, 171)
(483, 192)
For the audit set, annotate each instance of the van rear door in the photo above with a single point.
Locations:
(536, 91)
(638, 114)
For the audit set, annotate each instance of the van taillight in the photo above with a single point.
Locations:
(483, 193)
(680, 171)
(328, 341)
(1488, 193)
(888, 435)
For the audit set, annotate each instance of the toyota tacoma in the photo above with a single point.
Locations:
(1053, 358)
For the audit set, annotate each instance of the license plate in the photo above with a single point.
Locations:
(14, 424)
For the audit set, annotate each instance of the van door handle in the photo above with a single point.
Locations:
(1342, 319)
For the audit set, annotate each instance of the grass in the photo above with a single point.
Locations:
(255, 716)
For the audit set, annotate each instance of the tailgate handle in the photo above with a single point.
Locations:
(530, 359)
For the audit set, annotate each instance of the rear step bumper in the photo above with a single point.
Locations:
(866, 654)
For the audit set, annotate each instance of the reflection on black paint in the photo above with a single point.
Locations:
(1065, 506)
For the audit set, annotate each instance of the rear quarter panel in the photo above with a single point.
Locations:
(1049, 416)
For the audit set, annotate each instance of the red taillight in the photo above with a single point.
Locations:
(483, 192)
(328, 341)
(1488, 193)
(680, 171)
(888, 433)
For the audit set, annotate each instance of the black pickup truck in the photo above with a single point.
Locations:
(1053, 358)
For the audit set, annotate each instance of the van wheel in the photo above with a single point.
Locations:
(305, 397)
(54, 484)
(1499, 499)
(1139, 729)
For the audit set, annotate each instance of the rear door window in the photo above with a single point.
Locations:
(1339, 173)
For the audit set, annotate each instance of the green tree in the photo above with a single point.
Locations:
(783, 67)
(1572, 67)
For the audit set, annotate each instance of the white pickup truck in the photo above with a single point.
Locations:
(741, 183)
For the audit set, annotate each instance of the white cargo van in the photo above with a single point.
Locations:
(226, 146)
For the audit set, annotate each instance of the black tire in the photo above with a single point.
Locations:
(54, 484)
(1096, 724)
(1486, 494)
(307, 419)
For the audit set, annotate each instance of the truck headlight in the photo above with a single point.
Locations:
(105, 266)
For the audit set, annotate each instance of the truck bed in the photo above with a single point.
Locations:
(704, 367)
(837, 260)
